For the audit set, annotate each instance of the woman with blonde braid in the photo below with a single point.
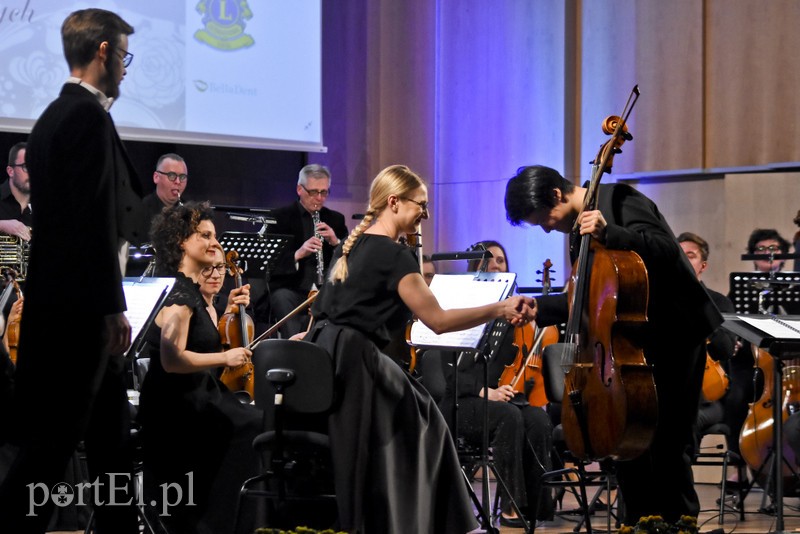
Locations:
(395, 465)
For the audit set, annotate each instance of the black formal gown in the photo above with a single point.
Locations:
(395, 464)
(192, 423)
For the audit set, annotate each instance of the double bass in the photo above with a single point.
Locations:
(610, 405)
(236, 329)
(524, 375)
(756, 440)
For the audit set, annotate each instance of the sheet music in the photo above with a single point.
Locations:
(462, 291)
(782, 328)
(142, 298)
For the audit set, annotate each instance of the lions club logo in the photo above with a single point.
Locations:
(224, 24)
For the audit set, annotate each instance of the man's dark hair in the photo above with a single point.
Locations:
(12, 154)
(532, 189)
(84, 30)
(697, 240)
(762, 234)
(169, 155)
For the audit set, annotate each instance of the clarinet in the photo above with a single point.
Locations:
(320, 265)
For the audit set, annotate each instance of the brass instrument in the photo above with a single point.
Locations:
(15, 253)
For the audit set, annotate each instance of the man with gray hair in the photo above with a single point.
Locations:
(310, 250)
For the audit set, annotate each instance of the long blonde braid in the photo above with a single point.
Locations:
(393, 180)
(339, 271)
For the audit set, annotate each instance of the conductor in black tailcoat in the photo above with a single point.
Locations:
(69, 379)
(680, 316)
(296, 271)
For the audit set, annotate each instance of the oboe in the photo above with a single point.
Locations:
(320, 266)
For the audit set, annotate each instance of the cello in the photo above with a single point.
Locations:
(756, 440)
(610, 406)
(236, 329)
(526, 377)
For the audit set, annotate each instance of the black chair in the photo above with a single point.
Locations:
(723, 457)
(577, 478)
(294, 386)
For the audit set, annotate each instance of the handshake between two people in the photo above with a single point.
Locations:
(519, 310)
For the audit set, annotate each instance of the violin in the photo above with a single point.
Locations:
(415, 241)
(526, 377)
(756, 440)
(236, 329)
(610, 406)
(12, 328)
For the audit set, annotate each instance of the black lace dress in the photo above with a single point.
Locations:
(196, 434)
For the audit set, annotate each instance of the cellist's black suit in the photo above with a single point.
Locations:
(681, 316)
(68, 389)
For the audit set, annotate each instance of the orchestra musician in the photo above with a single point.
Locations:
(745, 384)
(15, 195)
(171, 178)
(680, 315)
(385, 422)
(428, 269)
(192, 423)
(520, 435)
(720, 344)
(296, 271)
(84, 187)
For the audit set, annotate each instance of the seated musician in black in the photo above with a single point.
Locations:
(520, 435)
(196, 433)
(745, 383)
(720, 345)
(680, 315)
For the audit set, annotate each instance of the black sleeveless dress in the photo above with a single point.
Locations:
(196, 434)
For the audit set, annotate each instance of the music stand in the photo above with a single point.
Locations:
(143, 299)
(258, 251)
(757, 292)
(461, 291)
(780, 337)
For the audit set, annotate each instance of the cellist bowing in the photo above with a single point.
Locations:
(680, 315)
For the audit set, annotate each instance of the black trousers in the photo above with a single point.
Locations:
(58, 402)
(666, 465)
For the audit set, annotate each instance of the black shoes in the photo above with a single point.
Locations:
(511, 522)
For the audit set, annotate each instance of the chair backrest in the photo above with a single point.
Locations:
(552, 371)
(311, 390)
(432, 370)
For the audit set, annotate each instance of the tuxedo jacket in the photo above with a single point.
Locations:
(289, 221)
(680, 312)
(88, 199)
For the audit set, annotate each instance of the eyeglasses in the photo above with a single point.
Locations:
(22, 166)
(769, 248)
(423, 205)
(208, 271)
(317, 192)
(126, 58)
(172, 176)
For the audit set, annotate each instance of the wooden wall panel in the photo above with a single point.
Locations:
(724, 210)
(657, 45)
(769, 200)
(752, 82)
(687, 206)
